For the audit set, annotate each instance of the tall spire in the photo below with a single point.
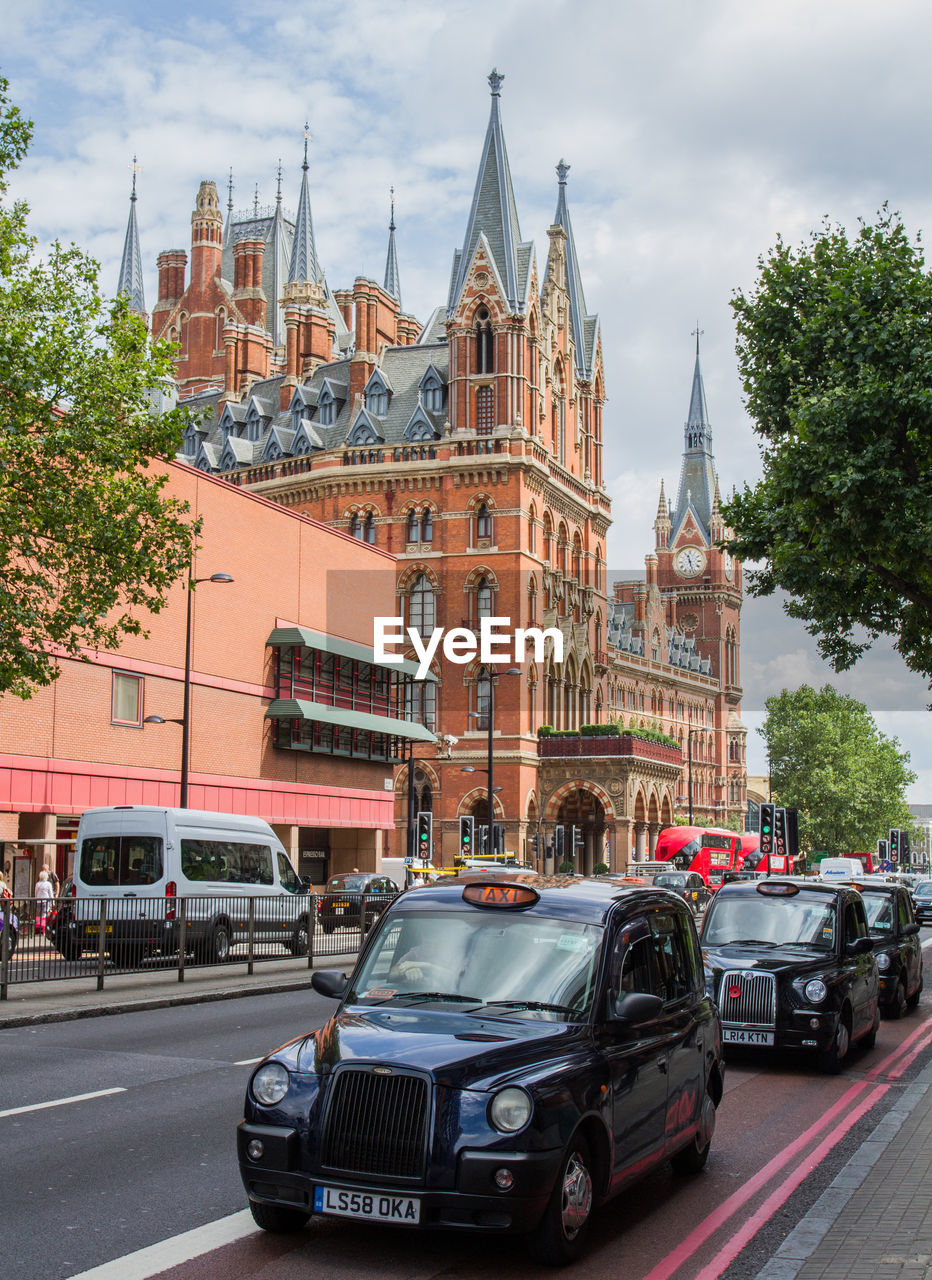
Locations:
(697, 475)
(493, 212)
(582, 334)
(304, 264)
(392, 278)
(226, 258)
(130, 281)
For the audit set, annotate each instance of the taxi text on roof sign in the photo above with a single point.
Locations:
(500, 895)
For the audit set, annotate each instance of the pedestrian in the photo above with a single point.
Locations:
(5, 891)
(53, 877)
(44, 895)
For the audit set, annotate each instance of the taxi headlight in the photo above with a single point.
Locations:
(510, 1110)
(270, 1084)
(883, 960)
(816, 991)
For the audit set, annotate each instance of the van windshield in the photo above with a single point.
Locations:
(118, 860)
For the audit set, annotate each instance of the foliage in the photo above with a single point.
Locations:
(600, 730)
(600, 869)
(545, 731)
(88, 542)
(835, 354)
(829, 761)
(566, 868)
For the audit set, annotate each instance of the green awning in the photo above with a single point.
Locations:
(299, 709)
(343, 648)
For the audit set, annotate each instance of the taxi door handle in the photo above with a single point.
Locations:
(662, 1065)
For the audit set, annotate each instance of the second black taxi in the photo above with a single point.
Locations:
(895, 934)
(506, 1055)
(791, 965)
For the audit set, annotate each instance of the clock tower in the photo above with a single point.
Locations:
(699, 582)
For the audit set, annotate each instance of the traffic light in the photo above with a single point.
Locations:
(577, 841)
(766, 829)
(894, 844)
(904, 847)
(467, 826)
(498, 840)
(792, 833)
(559, 843)
(883, 851)
(425, 835)
(779, 832)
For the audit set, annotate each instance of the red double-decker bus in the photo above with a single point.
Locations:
(712, 851)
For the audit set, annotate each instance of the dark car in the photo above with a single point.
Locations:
(791, 965)
(922, 901)
(688, 884)
(895, 935)
(506, 1056)
(354, 897)
(60, 929)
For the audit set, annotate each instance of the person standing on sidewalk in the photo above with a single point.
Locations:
(44, 895)
(53, 879)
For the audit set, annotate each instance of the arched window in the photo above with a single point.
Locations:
(411, 535)
(427, 526)
(356, 525)
(485, 352)
(483, 522)
(422, 606)
(368, 529)
(483, 691)
(484, 599)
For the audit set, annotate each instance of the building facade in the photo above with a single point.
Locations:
(470, 446)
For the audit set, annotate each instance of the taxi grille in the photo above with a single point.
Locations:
(755, 1003)
(376, 1124)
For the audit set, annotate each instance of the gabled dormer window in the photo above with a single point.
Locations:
(253, 423)
(190, 442)
(377, 394)
(326, 406)
(432, 392)
(419, 428)
(362, 432)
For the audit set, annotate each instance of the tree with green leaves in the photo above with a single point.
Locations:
(89, 540)
(829, 760)
(835, 355)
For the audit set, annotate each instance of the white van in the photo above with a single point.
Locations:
(833, 868)
(158, 867)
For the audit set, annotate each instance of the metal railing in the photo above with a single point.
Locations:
(95, 937)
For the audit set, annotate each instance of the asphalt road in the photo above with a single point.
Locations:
(92, 1180)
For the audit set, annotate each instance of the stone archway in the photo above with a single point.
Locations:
(583, 809)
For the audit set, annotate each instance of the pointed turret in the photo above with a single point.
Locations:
(584, 327)
(494, 215)
(226, 258)
(130, 282)
(662, 522)
(276, 267)
(697, 475)
(392, 277)
(304, 265)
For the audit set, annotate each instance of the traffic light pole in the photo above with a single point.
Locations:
(409, 848)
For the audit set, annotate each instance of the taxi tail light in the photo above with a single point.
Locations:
(171, 893)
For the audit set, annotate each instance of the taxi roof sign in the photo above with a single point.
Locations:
(778, 888)
(502, 896)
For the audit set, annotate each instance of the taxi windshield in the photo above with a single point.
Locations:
(879, 908)
(522, 964)
(805, 920)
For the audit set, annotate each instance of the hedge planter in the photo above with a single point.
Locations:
(626, 744)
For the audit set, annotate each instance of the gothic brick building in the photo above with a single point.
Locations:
(471, 447)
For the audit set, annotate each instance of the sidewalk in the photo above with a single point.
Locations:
(60, 1001)
(874, 1222)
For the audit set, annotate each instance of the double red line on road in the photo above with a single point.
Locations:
(848, 1108)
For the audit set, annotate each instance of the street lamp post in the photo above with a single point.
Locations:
(185, 720)
(511, 671)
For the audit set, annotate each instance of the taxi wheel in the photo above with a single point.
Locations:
(913, 1000)
(692, 1159)
(277, 1218)
(898, 1007)
(832, 1059)
(564, 1227)
(870, 1039)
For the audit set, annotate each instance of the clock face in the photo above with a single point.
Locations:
(689, 562)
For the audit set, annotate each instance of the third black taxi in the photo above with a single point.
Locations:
(895, 934)
(791, 965)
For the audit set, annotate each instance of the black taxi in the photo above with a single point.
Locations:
(790, 964)
(507, 1054)
(895, 935)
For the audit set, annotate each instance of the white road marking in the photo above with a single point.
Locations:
(247, 1062)
(59, 1102)
(177, 1249)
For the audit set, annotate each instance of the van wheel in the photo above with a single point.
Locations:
(219, 949)
(298, 942)
(561, 1235)
(277, 1218)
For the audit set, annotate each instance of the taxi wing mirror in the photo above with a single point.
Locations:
(860, 947)
(634, 1007)
(330, 982)
(909, 930)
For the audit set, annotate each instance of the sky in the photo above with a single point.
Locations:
(697, 131)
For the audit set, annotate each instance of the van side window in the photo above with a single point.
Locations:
(226, 862)
(118, 860)
(286, 875)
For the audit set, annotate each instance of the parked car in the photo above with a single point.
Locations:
(895, 934)
(505, 1056)
(60, 928)
(922, 901)
(688, 884)
(341, 903)
(791, 965)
